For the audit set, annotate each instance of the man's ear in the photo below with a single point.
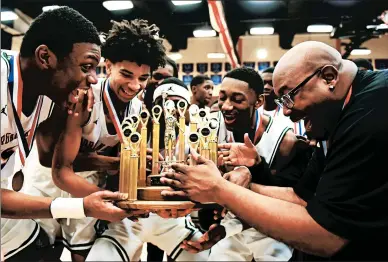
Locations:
(194, 90)
(260, 101)
(330, 75)
(108, 65)
(45, 58)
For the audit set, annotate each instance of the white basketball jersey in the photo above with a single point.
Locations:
(297, 127)
(270, 141)
(10, 79)
(95, 135)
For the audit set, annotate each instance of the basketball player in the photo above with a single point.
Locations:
(241, 107)
(58, 56)
(202, 91)
(132, 49)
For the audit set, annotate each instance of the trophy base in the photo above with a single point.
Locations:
(151, 198)
(153, 193)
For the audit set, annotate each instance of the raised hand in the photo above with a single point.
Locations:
(239, 154)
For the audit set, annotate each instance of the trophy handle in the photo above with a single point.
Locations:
(156, 113)
(144, 116)
(182, 107)
(134, 140)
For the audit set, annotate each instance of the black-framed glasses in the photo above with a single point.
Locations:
(287, 100)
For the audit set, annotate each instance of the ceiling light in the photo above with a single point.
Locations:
(8, 16)
(262, 53)
(371, 26)
(117, 5)
(361, 51)
(319, 28)
(261, 30)
(216, 55)
(204, 33)
(175, 56)
(186, 2)
(49, 7)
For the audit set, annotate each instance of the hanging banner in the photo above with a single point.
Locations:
(217, 20)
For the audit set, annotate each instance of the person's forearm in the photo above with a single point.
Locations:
(77, 186)
(281, 220)
(91, 162)
(282, 193)
(22, 206)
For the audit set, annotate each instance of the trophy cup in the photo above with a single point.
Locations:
(204, 142)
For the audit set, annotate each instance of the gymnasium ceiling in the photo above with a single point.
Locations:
(288, 17)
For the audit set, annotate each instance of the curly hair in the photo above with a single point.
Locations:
(135, 41)
(248, 75)
(59, 29)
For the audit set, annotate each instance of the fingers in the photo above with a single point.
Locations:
(169, 178)
(190, 248)
(113, 196)
(247, 141)
(90, 100)
(180, 168)
(224, 146)
(197, 158)
(167, 193)
(226, 176)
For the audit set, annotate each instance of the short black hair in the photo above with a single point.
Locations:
(173, 80)
(198, 80)
(362, 62)
(248, 75)
(173, 65)
(134, 41)
(59, 29)
(269, 70)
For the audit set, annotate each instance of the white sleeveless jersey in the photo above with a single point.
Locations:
(297, 127)
(9, 142)
(270, 140)
(95, 135)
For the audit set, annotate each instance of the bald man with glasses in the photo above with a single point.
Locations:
(345, 218)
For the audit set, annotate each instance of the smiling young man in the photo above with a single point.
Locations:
(132, 49)
(58, 55)
(343, 219)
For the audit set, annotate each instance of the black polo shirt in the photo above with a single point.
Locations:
(351, 197)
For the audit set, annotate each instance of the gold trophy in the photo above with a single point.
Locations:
(213, 140)
(194, 143)
(193, 112)
(204, 145)
(145, 192)
(144, 116)
(182, 107)
(156, 113)
(134, 142)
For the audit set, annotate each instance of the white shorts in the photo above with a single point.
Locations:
(16, 234)
(249, 244)
(76, 234)
(128, 238)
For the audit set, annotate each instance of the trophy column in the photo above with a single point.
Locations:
(144, 116)
(182, 106)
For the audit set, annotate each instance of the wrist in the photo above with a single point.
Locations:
(67, 208)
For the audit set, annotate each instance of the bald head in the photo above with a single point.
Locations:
(304, 59)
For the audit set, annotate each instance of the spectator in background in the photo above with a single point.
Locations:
(363, 64)
(169, 70)
(202, 91)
